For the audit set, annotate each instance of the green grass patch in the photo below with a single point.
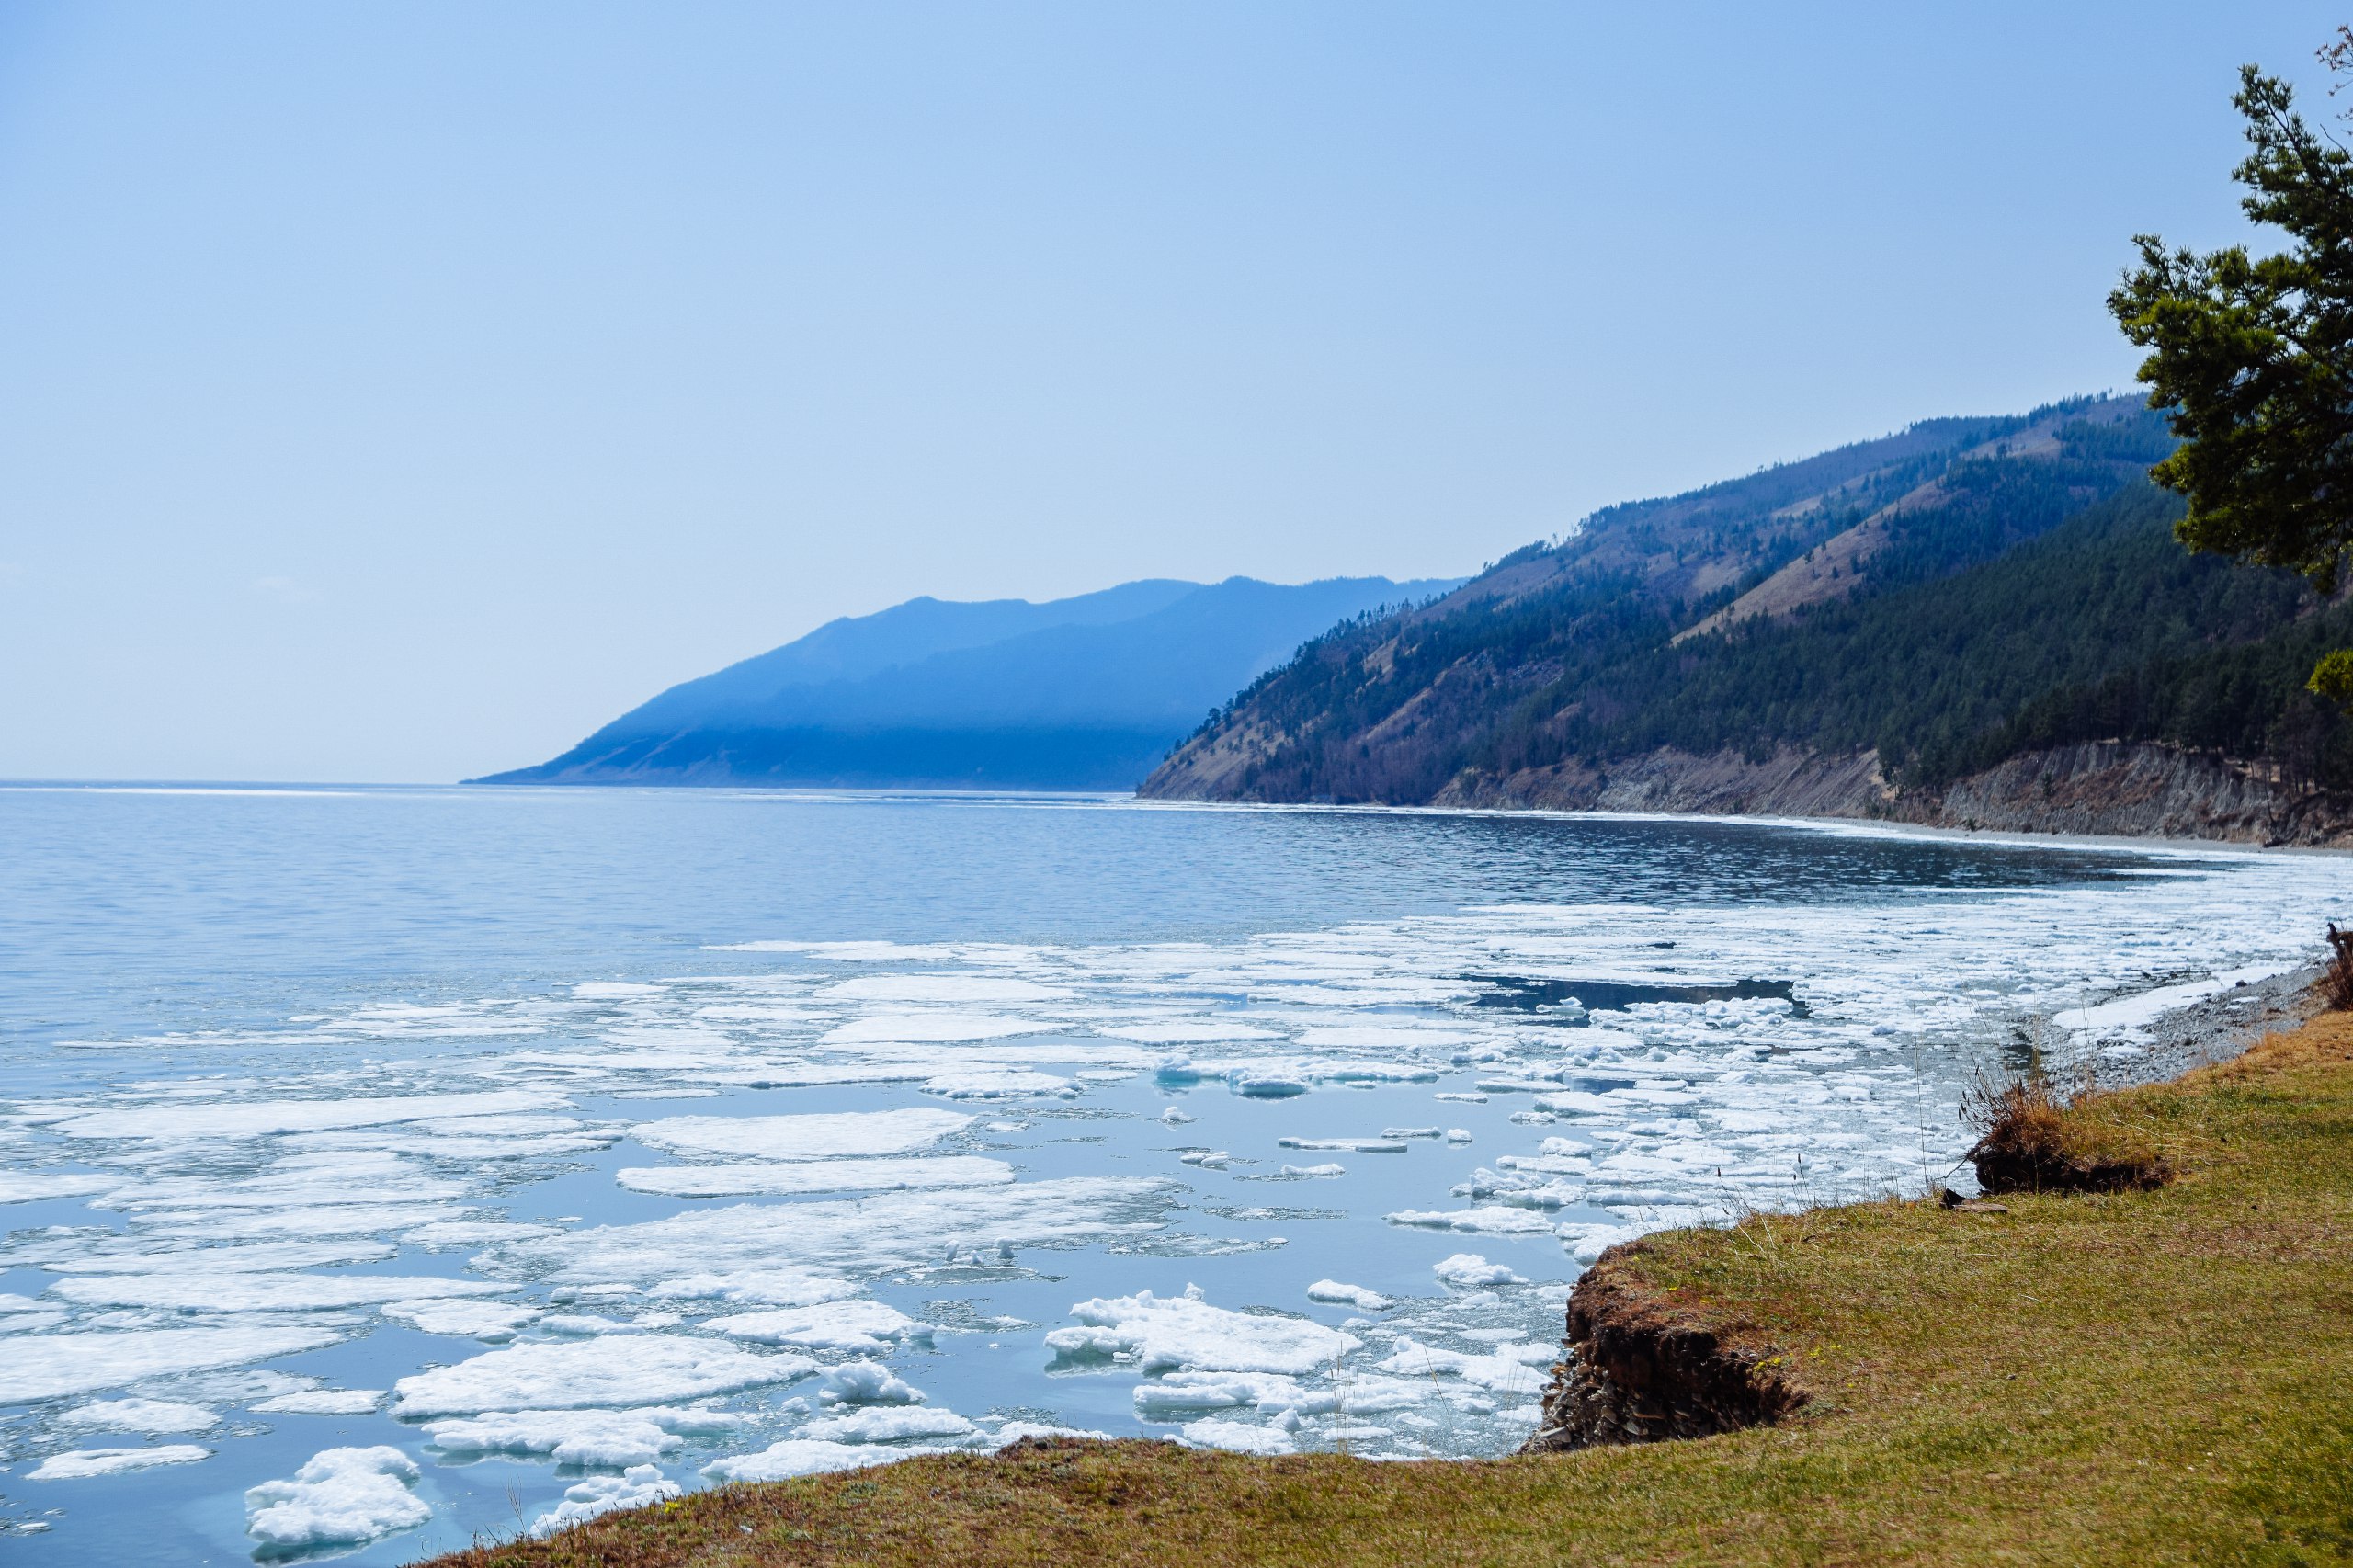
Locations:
(2130, 1378)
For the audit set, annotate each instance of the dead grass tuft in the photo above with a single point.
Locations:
(2337, 981)
(2034, 1137)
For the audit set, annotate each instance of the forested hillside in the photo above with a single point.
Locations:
(1960, 595)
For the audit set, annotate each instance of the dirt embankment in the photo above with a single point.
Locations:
(2106, 788)
(1642, 1367)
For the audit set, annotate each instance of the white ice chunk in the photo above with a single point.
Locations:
(886, 1424)
(633, 1488)
(29, 1187)
(623, 1370)
(861, 1327)
(1002, 1083)
(1495, 1220)
(1328, 1170)
(891, 1230)
(616, 1438)
(778, 1286)
(803, 1456)
(866, 1382)
(321, 1402)
(1334, 1292)
(820, 1136)
(261, 1292)
(990, 989)
(340, 1497)
(79, 1464)
(815, 1176)
(258, 1118)
(1239, 1436)
(1470, 1270)
(488, 1321)
(1168, 1334)
(140, 1415)
(49, 1366)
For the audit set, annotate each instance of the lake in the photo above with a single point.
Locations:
(443, 1161)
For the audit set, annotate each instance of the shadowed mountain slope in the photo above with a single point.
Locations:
(1866, 632)
(1083, 693)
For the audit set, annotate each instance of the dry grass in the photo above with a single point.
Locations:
(2032, 1137)
(2337, 980)
(2130, 1378)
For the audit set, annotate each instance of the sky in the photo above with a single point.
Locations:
(398, 392)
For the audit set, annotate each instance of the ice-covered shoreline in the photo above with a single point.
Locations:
(765, 1171)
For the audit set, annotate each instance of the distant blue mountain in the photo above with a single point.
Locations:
(1084, 693)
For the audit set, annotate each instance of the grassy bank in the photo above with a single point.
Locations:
(2160, 1377)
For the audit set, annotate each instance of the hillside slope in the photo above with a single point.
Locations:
(1083, 693)
(1977, 622)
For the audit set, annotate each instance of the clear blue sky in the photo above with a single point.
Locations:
(397, 391)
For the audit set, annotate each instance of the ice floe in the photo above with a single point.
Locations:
(886, 1424)
(819, 1136)
(803, 1456)
(320, 1402)
(80, 1464)
(855, 1326)
(140, 1415)
(1334, 1292)
(50, 1365)
(866, 1382)
(1471, 1271)
(633, 1369)
(633, 1488)
(815, 1176)
(1173, 1333)
(340, 1497)
(614, 1438)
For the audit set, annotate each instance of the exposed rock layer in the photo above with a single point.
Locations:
(2108, 787)
(1643, 1369)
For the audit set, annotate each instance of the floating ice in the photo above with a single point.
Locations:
(1005, 1083)
(1173, 1333)
(262, 1292)
(886, 1424)
(1346, 1145)
(1471, 1271)
(258, 1118)
(49, 1366)
(1496, 1220)
(489, 1321)
(617, 1439)
(29, 1187)
(1508, 1368)
(815, 1176)
(633, 1488)
(866, 1382)
(778, 1286)
(140, 1415)
(1012, 1432)
(820, 1136)
(321, 1402)
(1323, 1170)
(930, 1028)
(892, 1230)
(340, 1497)
(631, 1369)
(1239, 1436)
(1333, 1292)
(803, 1456)
(942, 988)
(1175, 1117)
(861, 1327)
(78, 1464)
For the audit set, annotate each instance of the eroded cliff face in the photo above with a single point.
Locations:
(1642, 1368)
(2107, 789)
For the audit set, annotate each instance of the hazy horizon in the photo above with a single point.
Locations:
(399, 395)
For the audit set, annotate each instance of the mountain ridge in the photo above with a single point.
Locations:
(1087, 692)
(1893, 630)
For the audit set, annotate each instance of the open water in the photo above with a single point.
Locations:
(381, 1169)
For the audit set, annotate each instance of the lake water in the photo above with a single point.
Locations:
(435, 1159)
